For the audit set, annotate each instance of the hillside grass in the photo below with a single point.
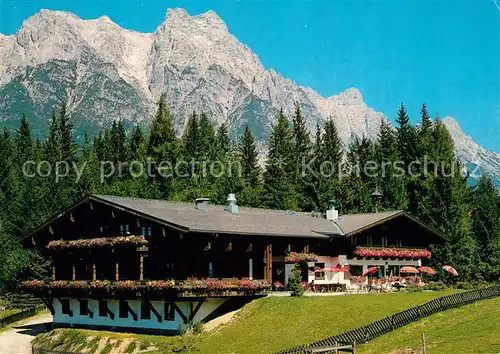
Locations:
(265, 325)
(473, 328)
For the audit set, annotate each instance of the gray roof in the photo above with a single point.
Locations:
(249, 221)
(353, 223)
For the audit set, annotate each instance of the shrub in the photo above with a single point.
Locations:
(294, 284)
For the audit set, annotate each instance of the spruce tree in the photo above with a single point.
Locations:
(279, 173)
(135, 142)
(361, 181)
(485, 218)
(330, 158)
(223, 141)
(303, 179)
(247, 151)
(162, 148)
(207, 142)
(66, 145)
(389, 181)
(24, 142)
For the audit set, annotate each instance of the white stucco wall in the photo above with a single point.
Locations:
(330, 262)
(208, 306)
(365, 263)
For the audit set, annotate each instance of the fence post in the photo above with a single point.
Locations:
(424, 349)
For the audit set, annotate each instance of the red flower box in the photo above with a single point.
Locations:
(295, 257)
(403, 253)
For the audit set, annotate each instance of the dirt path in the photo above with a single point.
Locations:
(17, 338)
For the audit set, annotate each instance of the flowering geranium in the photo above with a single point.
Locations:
(98, 242)
(405, 253)
(160, 284)
(220, 285)
(296, 257)
(278, 285)
(126, 285)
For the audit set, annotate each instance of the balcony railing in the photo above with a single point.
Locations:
(153, 288)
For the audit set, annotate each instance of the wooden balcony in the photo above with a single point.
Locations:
(154, 289)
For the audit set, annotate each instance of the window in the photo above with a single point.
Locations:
(145, 311)
(149, 231)
(103, 308)
(143, 230)
(169, 314)
(384, 240)
(127, 231)
(84, 305)
(121, 229)
(319, 275)
(354, 240)
(65, 307)
(356, 270)
(123, 309)
(369, 240)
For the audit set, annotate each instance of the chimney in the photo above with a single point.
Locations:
(332, 213)
(231, 204)
(202, 204)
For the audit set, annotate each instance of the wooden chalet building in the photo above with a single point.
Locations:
(138, 264)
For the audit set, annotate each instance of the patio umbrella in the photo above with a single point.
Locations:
(427, 270)
(371, 270)
(450, 270)
(410, 270)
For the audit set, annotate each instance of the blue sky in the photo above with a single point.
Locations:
(444, 53)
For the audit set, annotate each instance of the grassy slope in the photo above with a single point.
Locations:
(269, 324)
(274, 323)
(469, 329)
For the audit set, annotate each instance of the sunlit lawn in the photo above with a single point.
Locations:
(276, 323)
(473, 328)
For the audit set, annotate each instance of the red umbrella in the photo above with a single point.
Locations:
(411, 270)
(371, 270)
(450, 270)
(427, 270)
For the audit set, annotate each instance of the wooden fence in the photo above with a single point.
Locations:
(366, 333)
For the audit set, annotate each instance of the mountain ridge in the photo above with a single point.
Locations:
(108, 72)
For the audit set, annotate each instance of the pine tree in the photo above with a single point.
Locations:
(279, 173)
(330, 164)
(207, 143)
(162, 148)
(223, 141)
(135, 142)
(118, 142)
(361, 181)
(303, 179)
(191, 138)
(247, 151)
(425, 132)
(406, 136)
(24, 142)
(66, 145)
(390, 182)
(485, 218)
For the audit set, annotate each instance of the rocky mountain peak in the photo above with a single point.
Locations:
(109, 72)
(352, 94)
